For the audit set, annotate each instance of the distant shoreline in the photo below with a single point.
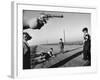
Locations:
(67, 43)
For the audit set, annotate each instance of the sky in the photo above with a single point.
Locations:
(72, 23)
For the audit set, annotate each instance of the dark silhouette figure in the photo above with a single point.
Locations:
(26, 51)
(61, 43)
(87, 46)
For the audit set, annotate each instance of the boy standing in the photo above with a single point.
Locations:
(61, 45)
(86, 46)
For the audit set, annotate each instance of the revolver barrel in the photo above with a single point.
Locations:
(52, 16)
(55, 16)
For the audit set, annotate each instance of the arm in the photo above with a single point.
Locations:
(38, 23)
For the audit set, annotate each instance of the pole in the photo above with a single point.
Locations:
(64, 35)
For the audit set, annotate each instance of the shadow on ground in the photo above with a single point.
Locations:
(67, 51)
(66, 60)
